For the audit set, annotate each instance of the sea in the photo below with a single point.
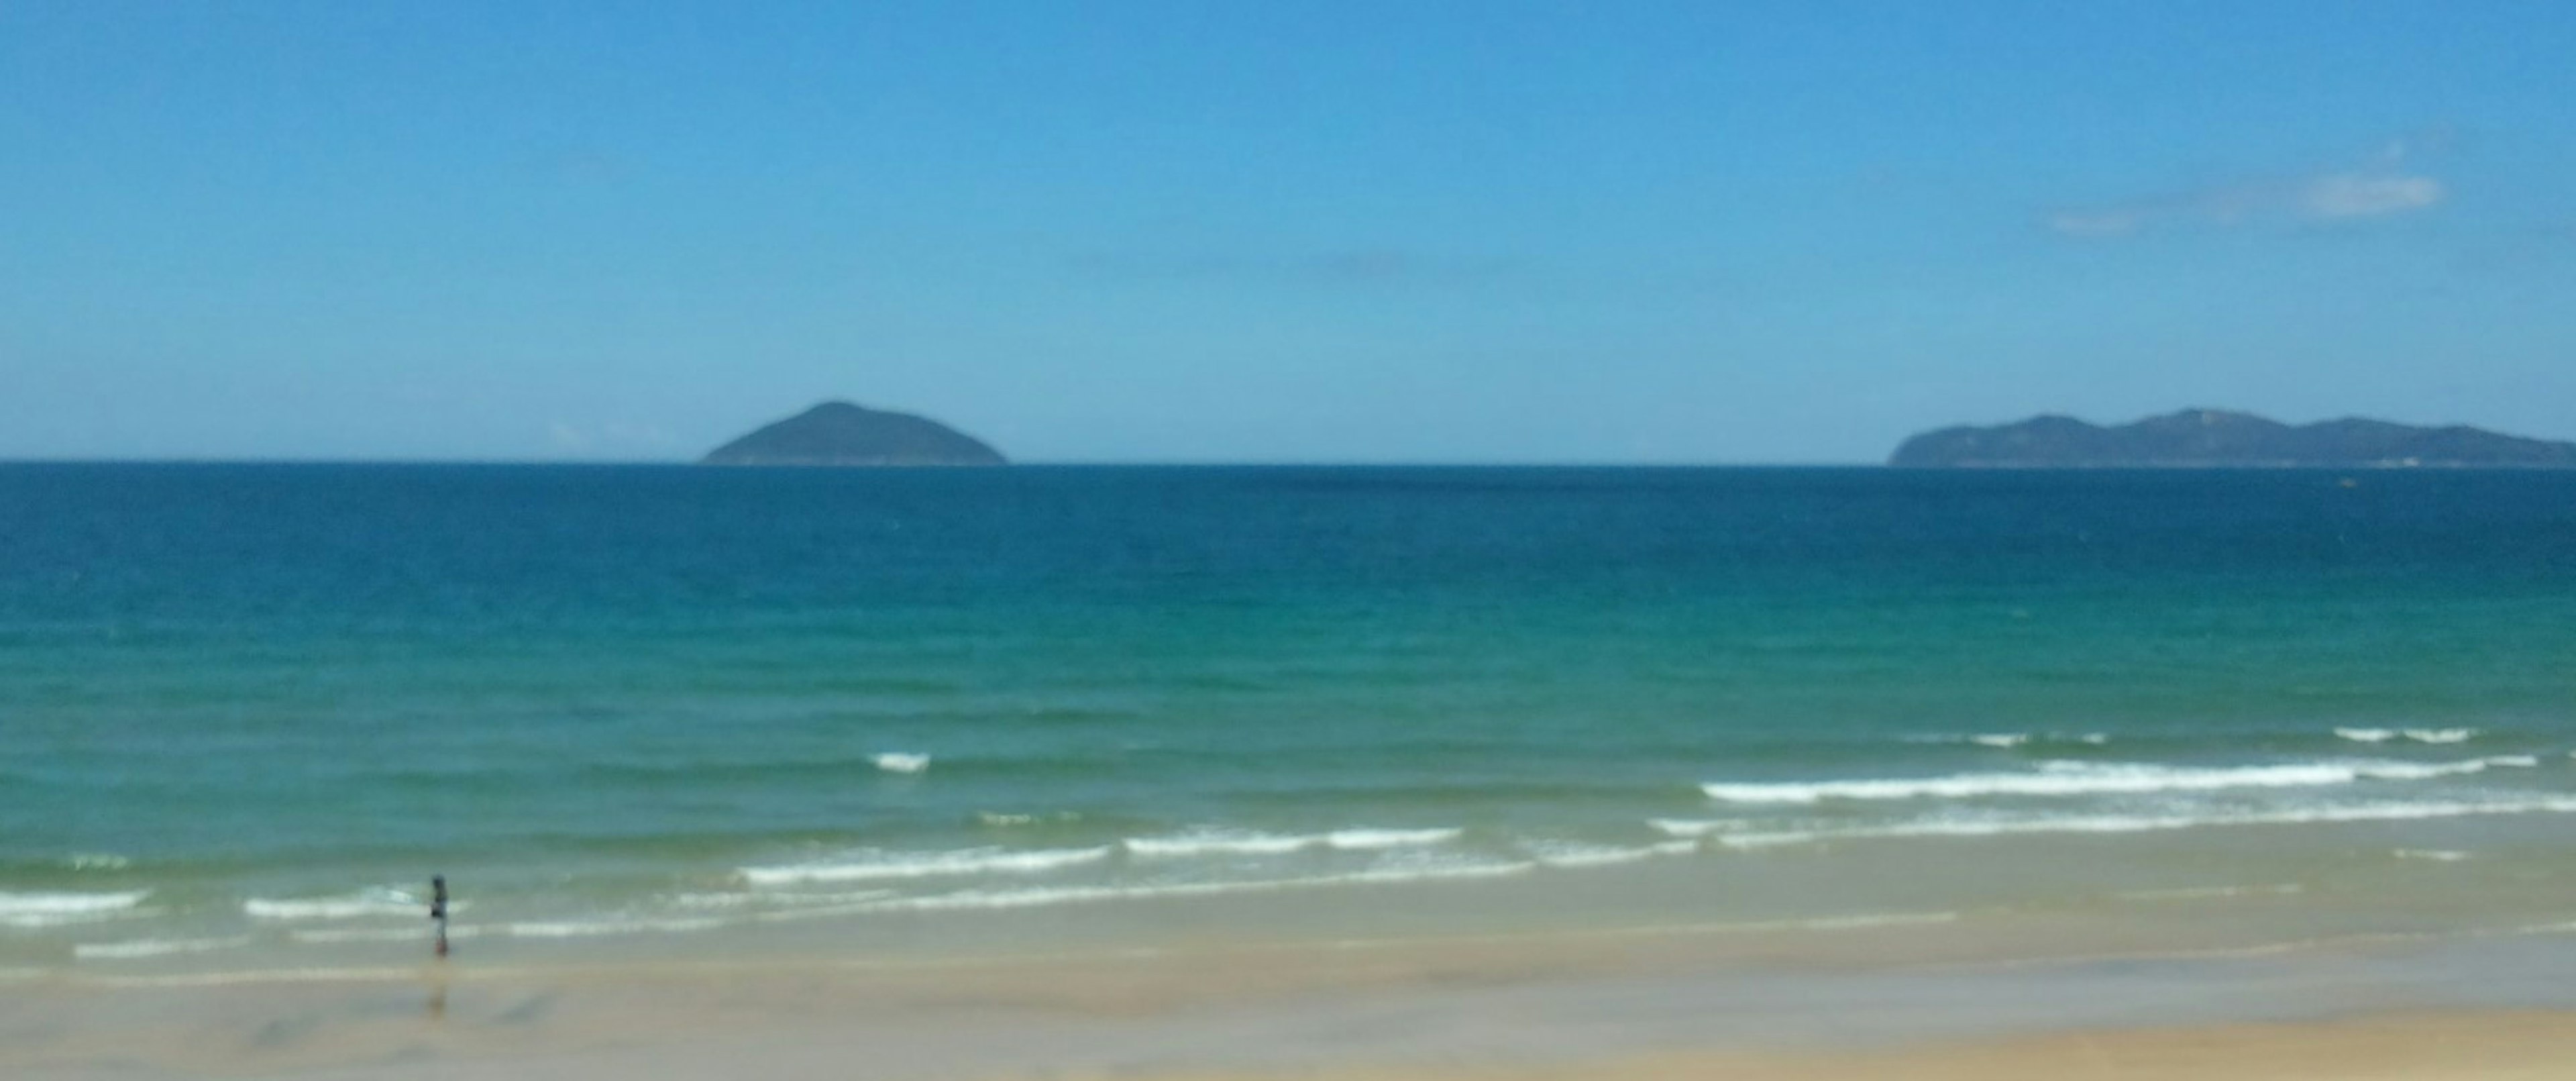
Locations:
(248, 710)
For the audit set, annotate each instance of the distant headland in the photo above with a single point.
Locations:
(842, 434)
(2213, 437)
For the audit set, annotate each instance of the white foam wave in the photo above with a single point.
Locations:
(1775, 839)
(2085, 779)
(2418, 735)
(2014, 739)
(701, 902)
(152, 947)
(1995, 827)
(1367, 839)
(1006, 819)
(1229, 842)
(1216, 842)
(595, 928)
(2517, 761)
(1567, 855)
(884, 865)
(1061, 895)
(1696, 827)
(56, 909)
(376, 901)
(2436, 855)
(901, 762)
(98, 861)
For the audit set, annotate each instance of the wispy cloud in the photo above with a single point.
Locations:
(2356, 196)
(2387, 184)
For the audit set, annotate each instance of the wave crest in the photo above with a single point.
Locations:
(883, 865)
(2085, 779)
(1229, 842)
(376, 901)
(55, 909)
(1999, 827)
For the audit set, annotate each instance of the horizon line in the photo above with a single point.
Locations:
(1075, 463)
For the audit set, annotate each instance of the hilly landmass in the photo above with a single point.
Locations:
(2213, 437)
(842, 434)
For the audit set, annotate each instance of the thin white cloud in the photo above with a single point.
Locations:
(2381, 188)
(2353, 195)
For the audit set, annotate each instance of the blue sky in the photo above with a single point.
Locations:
(1195, 231)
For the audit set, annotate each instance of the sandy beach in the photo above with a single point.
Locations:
(1669, 1005)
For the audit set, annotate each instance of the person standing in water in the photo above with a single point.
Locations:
(438, 910)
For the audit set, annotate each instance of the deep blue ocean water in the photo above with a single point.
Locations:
(246, 709)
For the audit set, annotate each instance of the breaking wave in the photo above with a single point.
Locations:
(2085, 779)
(2418, 735)
(56, 909)
(1223, 842)
(379, 901)
(152, 947)
(896, 865)
(1957, 826)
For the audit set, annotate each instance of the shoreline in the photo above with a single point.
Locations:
(1829, 904)
(1658, 1004)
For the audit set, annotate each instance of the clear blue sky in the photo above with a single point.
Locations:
(1218, 231)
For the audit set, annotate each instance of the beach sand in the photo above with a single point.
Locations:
(1652, 1006)
(2462, 1047)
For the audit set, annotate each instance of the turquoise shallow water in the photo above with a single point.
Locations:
(245, 710)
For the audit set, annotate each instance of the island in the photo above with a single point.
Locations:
(2219, 438)
(842, 434)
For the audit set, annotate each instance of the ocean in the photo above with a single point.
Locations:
(247, 710)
